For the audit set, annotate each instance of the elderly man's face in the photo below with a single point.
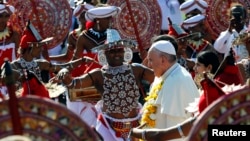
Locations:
(155, 62)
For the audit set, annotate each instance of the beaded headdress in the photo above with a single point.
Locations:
(114, 41)
(31, 37)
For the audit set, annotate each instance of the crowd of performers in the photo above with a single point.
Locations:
(97, 57)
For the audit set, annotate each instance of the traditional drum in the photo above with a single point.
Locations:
(141, 23)
(86, 94)
(230, 109)
(217, 19)
(54, 89)
(52, 18)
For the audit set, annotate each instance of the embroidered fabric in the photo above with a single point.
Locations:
(197, 46)
(121, 93)
(96, 37)
(31, 66)
(97, 34)
(116, 70)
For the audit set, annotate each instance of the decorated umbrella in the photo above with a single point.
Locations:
(52, 18)
(139, 20)
(218, 15)
(230, 109)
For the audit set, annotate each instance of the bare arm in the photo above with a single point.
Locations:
(79, 47)
(45, 65)
(16, 38)
(143, 73)
(84, 81)
(69, 53)
(164, 134)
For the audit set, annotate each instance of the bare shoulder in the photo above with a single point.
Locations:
(142, 72)
(139, 67)
(96, 74)
(15, 64)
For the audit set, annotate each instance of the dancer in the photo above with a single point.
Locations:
(118, 82)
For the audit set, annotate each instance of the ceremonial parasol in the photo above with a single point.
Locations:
(230, 109)
(138, 20)
(52, 18)
(218, 15)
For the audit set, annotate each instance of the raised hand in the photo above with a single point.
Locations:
(63, 76)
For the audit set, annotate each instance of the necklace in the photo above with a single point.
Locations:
(149, 109)
(31, 66)
(98, 35)
(116, 70)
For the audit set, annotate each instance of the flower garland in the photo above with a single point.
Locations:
(150, 108)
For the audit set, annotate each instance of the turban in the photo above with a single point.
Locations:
(191, 5)
(102, 12)
(193, 21)
(81, 8)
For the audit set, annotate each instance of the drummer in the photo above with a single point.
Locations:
(27, 68)
(117, 81)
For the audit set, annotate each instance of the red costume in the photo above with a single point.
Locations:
(7, 50)
(34, 87)
(33, 83)
(212, 91)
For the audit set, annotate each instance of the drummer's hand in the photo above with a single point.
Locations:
(62, 76)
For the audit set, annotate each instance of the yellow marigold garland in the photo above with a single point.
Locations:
(150, 108)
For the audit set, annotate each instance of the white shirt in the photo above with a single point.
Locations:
(225, 41)
(177, 92)
(170, 8)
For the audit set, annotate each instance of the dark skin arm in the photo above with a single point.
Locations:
(79, 46)
(45, 65)
(16, 38)
(140, 72)
(69, 53)
(164, 134)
